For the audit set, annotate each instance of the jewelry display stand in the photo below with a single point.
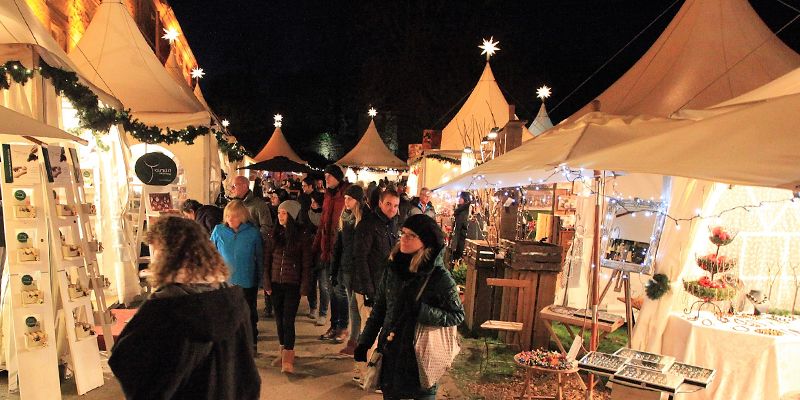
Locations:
(32, 323)
(74, 244)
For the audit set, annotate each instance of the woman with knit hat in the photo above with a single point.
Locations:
(342, 268)
(415, 270)
(287, 261)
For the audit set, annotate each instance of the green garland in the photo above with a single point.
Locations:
(437, 157)
(100, 119)
(657, 287)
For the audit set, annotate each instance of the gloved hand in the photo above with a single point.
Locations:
(369, 301)
(360, 353)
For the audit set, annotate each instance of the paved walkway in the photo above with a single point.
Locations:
(319, 372)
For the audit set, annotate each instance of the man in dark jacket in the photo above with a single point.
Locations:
(377, 234)
(194, 345)
(332, 206)
(304, 198)
(258, 208)
(207, 216)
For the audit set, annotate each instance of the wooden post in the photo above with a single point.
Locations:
(595, 289)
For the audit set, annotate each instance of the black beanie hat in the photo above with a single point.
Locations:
(428, 231)
(319, 197)
(467, 196)
(356, 192)
(335, 172)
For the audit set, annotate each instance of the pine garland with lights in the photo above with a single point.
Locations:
(100, 119)
(657, 287)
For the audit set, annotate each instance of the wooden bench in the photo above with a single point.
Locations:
(514, 327)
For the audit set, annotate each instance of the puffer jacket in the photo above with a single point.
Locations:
(343, 249)
(439, 305)
(376, 235)
(243, 251)
(416, 208)
(288, 261)
(332, 208)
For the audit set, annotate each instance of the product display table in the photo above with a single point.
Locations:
(750, 365)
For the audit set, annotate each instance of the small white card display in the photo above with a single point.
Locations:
(35, 336)
(55, 162)
(83, 330)
(25, 251)
(71, 250)
(30, 293)
(76, 289)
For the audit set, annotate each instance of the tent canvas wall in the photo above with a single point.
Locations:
(371, 152)
(277, 146)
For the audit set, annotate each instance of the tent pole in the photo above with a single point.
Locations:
(595, 269)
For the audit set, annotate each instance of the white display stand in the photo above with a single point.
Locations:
(74, 246)
(30, 300)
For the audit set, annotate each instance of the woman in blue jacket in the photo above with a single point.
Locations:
(239, 243)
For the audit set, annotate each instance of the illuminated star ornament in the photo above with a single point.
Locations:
(225, 123)
(489, 47)
(198, 73)
(543, 92)
(278, 120)
(171, 34)
(372, 112)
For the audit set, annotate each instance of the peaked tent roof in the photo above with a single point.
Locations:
(114, 55)
(541, 123)
(277, 146)
(371, 152)
(18, 25)
(713, 50)
(485, 108)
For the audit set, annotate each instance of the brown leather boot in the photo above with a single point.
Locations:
(287, 367)
(277, 360)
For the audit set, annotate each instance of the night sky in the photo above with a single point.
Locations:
(323, 63)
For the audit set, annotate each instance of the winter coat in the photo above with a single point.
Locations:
(417, 208)
(343, 249)
(376, 235)
(404, 209)
(192, 346)
(396, 311)
(209, 217)
(243, 251)
(288, 261)
(259, 214)
(332, 208)
(460, 229)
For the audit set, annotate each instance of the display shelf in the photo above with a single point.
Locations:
(649, 379)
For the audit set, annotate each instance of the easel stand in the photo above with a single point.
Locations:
(622, 278)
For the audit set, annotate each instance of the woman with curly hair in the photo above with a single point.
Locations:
(192, 339)
(239, 242)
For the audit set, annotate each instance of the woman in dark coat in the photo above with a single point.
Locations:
(417, 256)
(461, 215)
(192, 339)
(287, 260)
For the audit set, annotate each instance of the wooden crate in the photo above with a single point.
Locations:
(531, 256)
(481, 302)
(542, 294)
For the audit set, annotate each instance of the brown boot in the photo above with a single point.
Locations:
(277, 360)
(349, 349)
(287, 367)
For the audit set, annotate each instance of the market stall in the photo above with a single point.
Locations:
(370, 159)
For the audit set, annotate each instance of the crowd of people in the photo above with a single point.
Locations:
(369, 261)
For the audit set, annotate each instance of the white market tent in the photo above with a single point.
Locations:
(713, 50)
(371, 152)
(485, 108)
(277, 146)
(541, 123)
(115, 56)
(713, 68)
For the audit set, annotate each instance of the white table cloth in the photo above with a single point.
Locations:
(749, 365)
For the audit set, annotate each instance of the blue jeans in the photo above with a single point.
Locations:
(339, 307)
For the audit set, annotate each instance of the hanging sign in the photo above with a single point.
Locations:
(156, 169)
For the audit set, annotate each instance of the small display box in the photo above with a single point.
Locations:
(649, 379)
(71, 250)
(692, 374)
(64, 210)
(643, 359)
(83, 330)
(531, 256)
(28, 254)
(601, 363)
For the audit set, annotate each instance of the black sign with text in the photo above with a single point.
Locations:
(156, 169)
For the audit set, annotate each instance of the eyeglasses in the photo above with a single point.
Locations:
(408, 235)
